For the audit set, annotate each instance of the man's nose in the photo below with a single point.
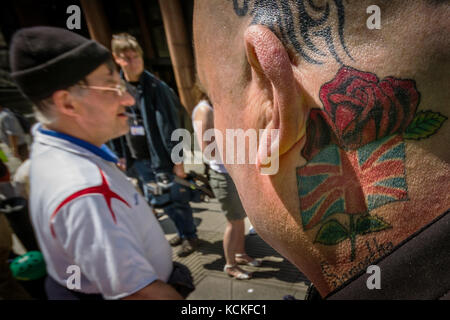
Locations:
(127, 99)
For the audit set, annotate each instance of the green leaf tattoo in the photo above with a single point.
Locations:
(424, 125)
(368, 224)
(332, 233)
(355, 154)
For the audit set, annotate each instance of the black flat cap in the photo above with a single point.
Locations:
(46, 59)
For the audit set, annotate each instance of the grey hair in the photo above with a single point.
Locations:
(43, 111)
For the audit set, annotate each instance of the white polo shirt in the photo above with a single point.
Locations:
(87, 214)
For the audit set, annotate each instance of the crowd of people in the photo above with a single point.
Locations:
(363, 175)
(141, 113)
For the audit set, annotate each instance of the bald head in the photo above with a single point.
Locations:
(350, 104)
(319, 29)
(322, 36)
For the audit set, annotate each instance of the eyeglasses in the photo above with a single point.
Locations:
(120, 88)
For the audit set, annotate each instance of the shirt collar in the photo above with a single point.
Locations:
(103, 152)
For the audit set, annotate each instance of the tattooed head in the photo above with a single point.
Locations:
(359, 117)
(301, 25)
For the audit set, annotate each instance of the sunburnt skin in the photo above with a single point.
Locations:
(356, 158)
(356, 143)
(356, 154)
(375, 133)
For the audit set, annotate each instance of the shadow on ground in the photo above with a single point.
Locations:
(274, 266)
(169, 227)
(199, 210)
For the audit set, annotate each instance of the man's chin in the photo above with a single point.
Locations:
(123, 131)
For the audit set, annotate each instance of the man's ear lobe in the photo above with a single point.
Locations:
(63, 103)
(272, 67)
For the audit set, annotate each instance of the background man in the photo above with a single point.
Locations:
(85, 213)
(153, 119)
(363, 134)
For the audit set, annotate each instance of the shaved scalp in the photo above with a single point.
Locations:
(363, 114)
(314, 29)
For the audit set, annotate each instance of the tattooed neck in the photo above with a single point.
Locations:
(355, 188)
(356, 162)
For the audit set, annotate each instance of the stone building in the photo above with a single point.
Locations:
(164, 29)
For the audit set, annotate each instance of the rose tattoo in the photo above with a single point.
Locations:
(356, 155)
(359, 109)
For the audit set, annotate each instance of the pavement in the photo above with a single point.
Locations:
(276, 278)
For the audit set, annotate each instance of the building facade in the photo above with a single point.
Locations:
(164, 29)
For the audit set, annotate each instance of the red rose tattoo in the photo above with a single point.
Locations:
(359, 109)
(356, 153)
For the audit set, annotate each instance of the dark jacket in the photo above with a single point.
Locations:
(155, 100)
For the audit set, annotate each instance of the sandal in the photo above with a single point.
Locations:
(243, 258)
(238, 273)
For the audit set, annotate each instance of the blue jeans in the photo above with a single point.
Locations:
(179, 212)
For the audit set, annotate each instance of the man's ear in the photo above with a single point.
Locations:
(274, 71)
(63, 102)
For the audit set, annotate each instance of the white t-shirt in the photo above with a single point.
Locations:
(87, 214)
(216, 165)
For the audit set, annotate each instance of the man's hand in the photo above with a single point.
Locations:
(122, 164)
(178, 170)
(157, 290)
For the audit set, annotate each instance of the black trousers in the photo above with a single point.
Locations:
(180, 279)
(55, 291)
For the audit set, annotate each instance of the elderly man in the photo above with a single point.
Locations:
(93, 228)
(359, 117)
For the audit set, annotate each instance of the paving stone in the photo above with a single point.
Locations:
(248, 290)
(277, 275)
(212, 287)
(211, 221)
(276, 278)
(301, 293)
